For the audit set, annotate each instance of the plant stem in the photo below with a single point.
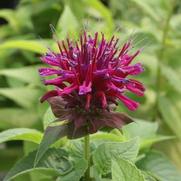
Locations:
(160, 57)
(87, 156)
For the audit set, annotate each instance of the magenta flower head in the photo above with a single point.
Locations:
(89, 77)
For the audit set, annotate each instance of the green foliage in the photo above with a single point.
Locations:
(30, 45)
(52, 134)
(147, 137)
(159, 166)
(48, 118)
(55, 161)
(29, 73)
(154, 25)
(107, 151)
(24, 134)
(123, 170)
(110, 156)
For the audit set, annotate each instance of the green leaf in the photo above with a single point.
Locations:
(30, 45)
(51, 135)
(123, 170)
(9, 156)
(15, 117)
(149, 9)
(149, 177)
(148, 136)
(24, 96)
(106, 14)
(135, 129)
(158, 138)
(172, 77)
(101, 137)
(30, 74)
(54, 162)
(170, 115)
(105, 152)
(48, 118)
(24, 134)
(10, 16)
(159, 166)
(78, 171)
(67, 22)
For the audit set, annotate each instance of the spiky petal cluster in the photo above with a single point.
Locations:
(90, 75)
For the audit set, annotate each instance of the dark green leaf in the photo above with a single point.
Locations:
(54, 162)
(51, 135)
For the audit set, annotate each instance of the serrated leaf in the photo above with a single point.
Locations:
(159, 166)
(105, 152)
(51, 135)
(54, 162)
(24, 134)
(78, 171)
(124, 170)
(30, 45)
(25, 96)
(26, 74)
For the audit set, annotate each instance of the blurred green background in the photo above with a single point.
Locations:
(25, 34)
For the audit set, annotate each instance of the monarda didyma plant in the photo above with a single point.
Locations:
(90, 77)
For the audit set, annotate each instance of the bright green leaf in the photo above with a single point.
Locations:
(30, 45)
(24, 134)
(106, 14)
(67, 22)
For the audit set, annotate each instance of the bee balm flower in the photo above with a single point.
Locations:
(89, 77)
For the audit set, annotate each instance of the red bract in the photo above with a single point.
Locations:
(91, 75)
